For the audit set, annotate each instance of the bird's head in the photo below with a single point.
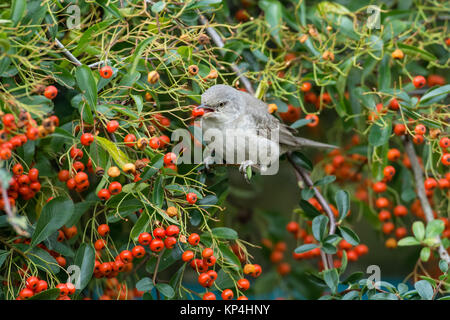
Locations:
(221, 100)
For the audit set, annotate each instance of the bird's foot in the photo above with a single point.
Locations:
(208, 161)
(244, 169)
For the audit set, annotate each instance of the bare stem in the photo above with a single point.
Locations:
(219, 42)
(304, 176)
(418, 177)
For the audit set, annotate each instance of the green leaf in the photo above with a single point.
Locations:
(306, 247)
(273, 13)
(145, 284)
(408, 241)
(352, 295)
(443, 265)
(325, 7)
(111, 148)
(425, 254)
(418, 230)
(424, 289)
(300, 123)
(349, 236)
(331, 278)
(50, 294)
(412, 50)
(379, 133)
(140, 226)
(86, 83)
(309, 210)
(434, 228)
(18, 9)
(79, 209)
(301, 160)
(165, 289)
(324, 181)
(158, 6)
(54, 215)
(41, 258)
(224, 233)
(158, 192)
(154, 166)
(3, 255)
(440, 92)
(85, 260)
(319, 227)
(343, 203)
(139, 102)
(384, 73)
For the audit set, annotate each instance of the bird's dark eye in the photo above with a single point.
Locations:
(221, 104)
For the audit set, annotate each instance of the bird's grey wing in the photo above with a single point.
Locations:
(286, 135)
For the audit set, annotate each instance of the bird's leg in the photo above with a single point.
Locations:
(243, 168)
(208, 161)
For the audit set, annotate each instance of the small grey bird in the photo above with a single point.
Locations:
(245, 123)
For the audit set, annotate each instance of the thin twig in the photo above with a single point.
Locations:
(155, 273)
(308, 182)
(219, 42)
(418, 177)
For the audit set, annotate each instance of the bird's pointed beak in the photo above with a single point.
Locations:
(206, 108)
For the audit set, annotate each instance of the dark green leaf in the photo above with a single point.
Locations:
(54, 215)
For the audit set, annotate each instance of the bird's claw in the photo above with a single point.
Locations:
(207, 162)
(243, 169)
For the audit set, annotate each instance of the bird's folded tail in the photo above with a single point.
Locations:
(302, 142)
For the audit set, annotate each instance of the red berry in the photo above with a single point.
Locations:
(115, 188)
(26, 294)
(50, 92)
(187, 256)
(198, 112)
(172, 230)
(138, 251)
(446, 159)
(9, 120)
(86, 139)
(243, 284)
(104, 194)
(228, 294)
(106, 72)
(191, 197)
(154, 143)
(103, 230)
(444, 143)
(419, 81)
(170, 158)
(194, 239)
(170, 242)
(145, 238)
(430, 183)
(420, 129)
(207, 252)
(156, 245)
(41, 286)
(159, 233)
(209, 296)
(400, 211)
(129, 140)
(112, 126)
(64, 291)
(33, 174)
(126, 256)
(32, 282)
